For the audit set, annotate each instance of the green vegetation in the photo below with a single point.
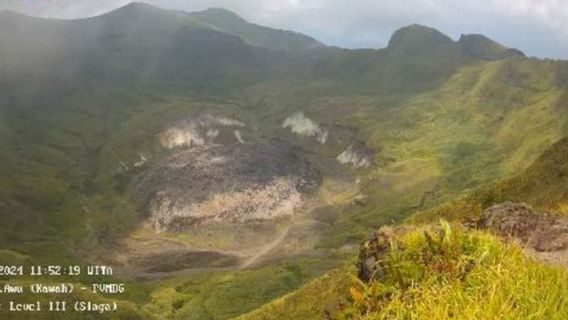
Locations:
(449, 273)
(542, 185)
(316, 299)
(432, 147)
(440, 273)
(227, 294)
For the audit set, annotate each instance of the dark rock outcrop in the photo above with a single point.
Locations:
(541, 231)
(370, 261)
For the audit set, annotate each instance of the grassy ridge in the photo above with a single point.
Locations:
(542, 185)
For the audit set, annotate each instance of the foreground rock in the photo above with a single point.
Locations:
(236, 183)
(372, 251)
(541, 231)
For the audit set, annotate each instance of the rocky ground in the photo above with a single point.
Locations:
(544, 234)
(541, 231)
(239, 183)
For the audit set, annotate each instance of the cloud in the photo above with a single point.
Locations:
(553, 13)
(539, 27)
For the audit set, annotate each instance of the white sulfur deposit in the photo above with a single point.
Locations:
(305, 127)
(358, 155)
(211, 120)
(239, 137)
(199, 131)
(141, 161)
(181, 136)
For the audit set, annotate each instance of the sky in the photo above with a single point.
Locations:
(537, 27)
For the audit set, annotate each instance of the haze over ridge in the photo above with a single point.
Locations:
(537, 28)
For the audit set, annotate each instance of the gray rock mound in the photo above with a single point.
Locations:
(236, 183)
(541, 231)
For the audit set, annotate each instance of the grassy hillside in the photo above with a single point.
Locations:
(441, 272)
(228, 294)
(488, 121)
(317, 299)
(435, 273)
(542, 185)
(450, 273)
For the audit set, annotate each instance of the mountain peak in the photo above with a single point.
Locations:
(229, 22)
(137, 8)
(145, 16)
(221, 13)
(415, 38)
(481, 47)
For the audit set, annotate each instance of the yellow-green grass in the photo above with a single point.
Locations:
(456, 274)
(316, 299)
(228, 294)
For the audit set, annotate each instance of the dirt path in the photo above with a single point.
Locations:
(266, 249)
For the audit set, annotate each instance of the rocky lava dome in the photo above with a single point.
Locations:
(216, 183)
